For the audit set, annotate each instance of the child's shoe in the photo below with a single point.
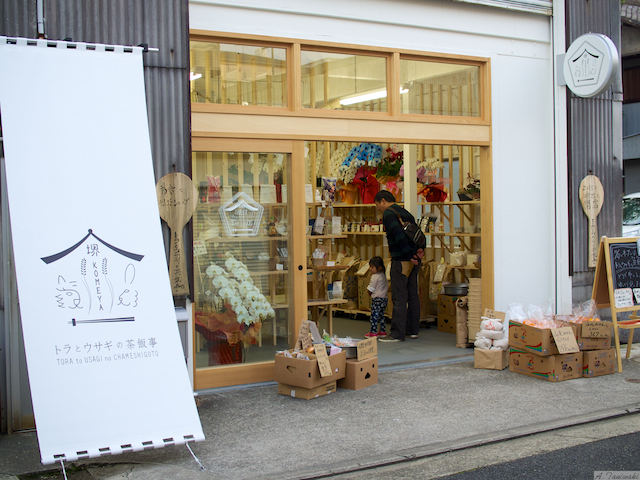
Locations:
(382, 334)
(371, 334)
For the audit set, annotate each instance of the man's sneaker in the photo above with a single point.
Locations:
(415, 335)
(382, 334)
(389, 338)
(371, 334)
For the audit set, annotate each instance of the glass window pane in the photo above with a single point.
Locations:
(242, 290)
(432, 88)
(238, 74)
(337, 81)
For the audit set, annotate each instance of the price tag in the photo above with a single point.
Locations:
(367, 348)
(623, 297)
(199, 248)
(565, 340)
(331, 263)
(596, 329)
(303, 342)
(323, 360)
(488, 313)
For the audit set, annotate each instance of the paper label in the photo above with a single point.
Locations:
(308, 193)
(267, 194)
(323, 360)
(565, 340)
(199, 248)
(336, 225)
(279, 266)
(331, 263)
(367, 348)
(623, 297)
(494, 314)
(303, 342)
(596, 330)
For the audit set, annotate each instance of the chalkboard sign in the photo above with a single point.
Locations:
(617, 280)
(625, 265)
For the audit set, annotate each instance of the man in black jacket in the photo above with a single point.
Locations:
(405, 265)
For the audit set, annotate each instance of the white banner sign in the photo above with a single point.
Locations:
(106, 366)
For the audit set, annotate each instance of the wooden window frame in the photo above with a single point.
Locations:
(294, 108)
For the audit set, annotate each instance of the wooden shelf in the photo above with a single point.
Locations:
(365, 233)
(246, 239)
(329, 269)
(312, 237)
(209, 206)
(358, 205)
(319, 302)
(269, 272)
(465, 202)
(450, 234)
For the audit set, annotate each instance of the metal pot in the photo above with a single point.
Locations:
(457, 289)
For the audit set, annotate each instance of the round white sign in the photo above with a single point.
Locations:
(591, 64)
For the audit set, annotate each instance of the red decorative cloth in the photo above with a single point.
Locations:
(367, 184)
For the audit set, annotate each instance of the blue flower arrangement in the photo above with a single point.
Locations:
(364, 154)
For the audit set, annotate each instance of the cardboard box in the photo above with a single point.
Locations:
(531, 339)
(305, 373)
(360, 374)
(490, 359)
(307, 393)
(553, 368)
(447, 323)
(599, 362)
(447, 305)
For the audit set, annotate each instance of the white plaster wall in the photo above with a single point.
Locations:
(519, 46)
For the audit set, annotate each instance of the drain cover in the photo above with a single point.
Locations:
(633, 380)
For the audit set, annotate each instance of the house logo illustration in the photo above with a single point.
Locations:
(241, 216)
(590, 65)
(94, 281)
(586, 65)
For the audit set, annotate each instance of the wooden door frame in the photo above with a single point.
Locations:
(239, 374)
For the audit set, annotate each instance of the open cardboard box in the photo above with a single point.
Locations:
(305, 373)
(534, 340)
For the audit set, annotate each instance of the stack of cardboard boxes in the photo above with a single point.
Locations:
(352, 368)
(534, 352)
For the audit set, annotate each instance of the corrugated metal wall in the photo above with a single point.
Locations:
(595, 141)
(163, 25)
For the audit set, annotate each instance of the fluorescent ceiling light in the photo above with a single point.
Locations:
(369, 96)
(194, 76)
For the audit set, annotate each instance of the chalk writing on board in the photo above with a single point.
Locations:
(625, 266)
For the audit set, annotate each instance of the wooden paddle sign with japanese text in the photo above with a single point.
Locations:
(591, 197)
(177, 199)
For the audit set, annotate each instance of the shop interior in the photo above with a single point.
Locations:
(343, 232)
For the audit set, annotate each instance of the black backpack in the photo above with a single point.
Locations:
(413, 232)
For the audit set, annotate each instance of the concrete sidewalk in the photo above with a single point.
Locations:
(255, 433)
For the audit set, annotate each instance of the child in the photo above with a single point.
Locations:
(378, 288)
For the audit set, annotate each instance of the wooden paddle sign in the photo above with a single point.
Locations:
(177, 199)
(591, 197)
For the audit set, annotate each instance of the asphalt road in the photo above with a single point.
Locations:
(572, 453)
